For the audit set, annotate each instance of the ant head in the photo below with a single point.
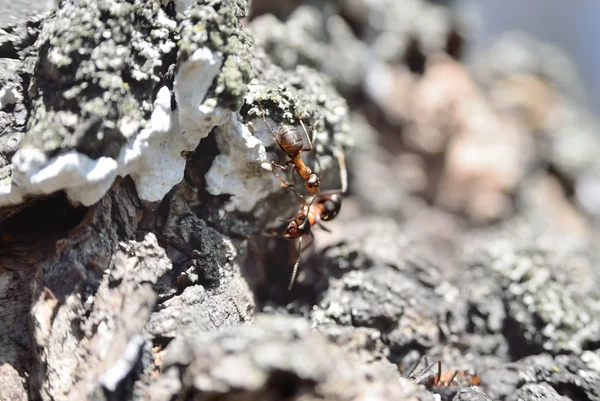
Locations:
(331, 207)
(312, 184)
(297, 227)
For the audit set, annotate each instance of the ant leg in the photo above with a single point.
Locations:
(284, 183)
(311, 141)
(343, 178)
(312, 200)
(295, 271)
(439, 372)
(268, 126)
(415, 366)
(272, 163)
(294, 175)
(343, 172)
(423, 374)
(318, 163)
(458, 385)
(271, 234)
(449, 383)
(313, 129)
(324, 228)
(300, 249)
(289, 186)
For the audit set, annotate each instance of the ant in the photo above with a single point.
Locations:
(290, 140)
(442, 379)
(324, 206)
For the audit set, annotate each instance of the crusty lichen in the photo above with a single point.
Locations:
(545, 288)
(99, 68)
(299, 91)
(102, 101)
(305, 93)
(99, 63)
(108, 78)
(284, 95)
(216, 25)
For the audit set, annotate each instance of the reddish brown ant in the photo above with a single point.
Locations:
(291, 142)
(442, 379)
(324, 206)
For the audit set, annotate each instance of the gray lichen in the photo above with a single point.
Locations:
(98, 62)
(544, 377)
(547, 296)
(17, 58)
(303, 92)
(285, 96)
(276, 356)
(313, 39)
(216, 24)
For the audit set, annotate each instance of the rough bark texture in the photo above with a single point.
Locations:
(132, 206)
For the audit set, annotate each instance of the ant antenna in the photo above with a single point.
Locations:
(343, 172)
(310, 140)
(322, 227)
(295, 271)
(423, 375)
(285, 184)
(264, 114)
(344, 184)
(410, 372)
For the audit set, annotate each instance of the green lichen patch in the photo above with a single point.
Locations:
(300, 92)
(99, 68)
(216, 25)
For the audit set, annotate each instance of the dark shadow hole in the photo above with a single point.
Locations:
(282, 385)
(518, 346)
(570, 391)
(53, 216)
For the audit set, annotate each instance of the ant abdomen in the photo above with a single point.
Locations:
(290, 140)
(331, 207)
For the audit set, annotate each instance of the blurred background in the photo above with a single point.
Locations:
(475, 161)
(477, 108)
(573, 26)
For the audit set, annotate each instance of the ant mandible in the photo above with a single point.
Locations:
(290, 141)
(324, 206)
(442, 379)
